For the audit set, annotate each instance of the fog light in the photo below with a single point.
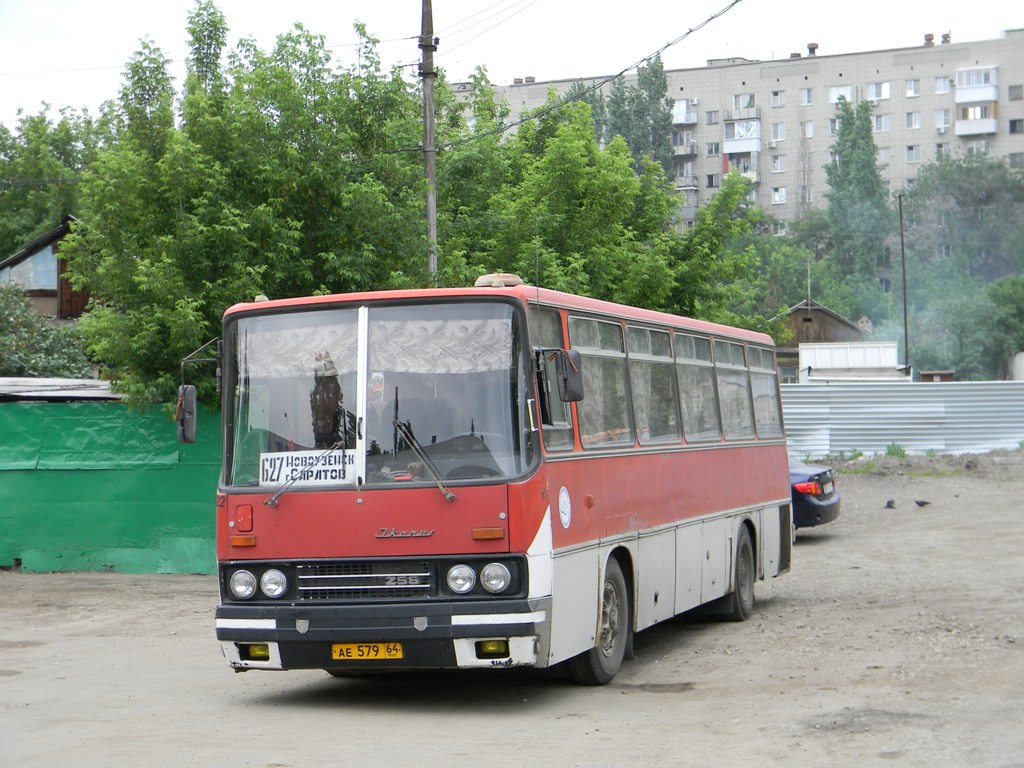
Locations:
(492, 649)
(242, 584)
(253, 651)
(461, 579)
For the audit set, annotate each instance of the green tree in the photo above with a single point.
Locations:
(40, 165)
(969, 209)
(1005, 325)
(859, 216)
(642, 115)
(30, 346)
(706, 269)
(285, 177)
(560, 210)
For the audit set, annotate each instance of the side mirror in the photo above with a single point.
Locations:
(570, 375)
(186, 413)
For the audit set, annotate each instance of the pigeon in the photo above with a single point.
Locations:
(890, 504)
(921, 503)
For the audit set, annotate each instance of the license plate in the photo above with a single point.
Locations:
(826, 488)
(366, 651)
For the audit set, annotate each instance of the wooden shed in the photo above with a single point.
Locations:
(40, 270)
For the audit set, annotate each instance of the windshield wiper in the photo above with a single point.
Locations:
(272, 501)
(407, 435)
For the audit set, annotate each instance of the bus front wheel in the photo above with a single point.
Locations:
(599, 665)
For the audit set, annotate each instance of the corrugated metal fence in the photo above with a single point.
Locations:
(944, 417)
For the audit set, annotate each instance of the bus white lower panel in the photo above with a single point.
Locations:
(574, 603)
(656, 578)
(522, 652)
(273, 661)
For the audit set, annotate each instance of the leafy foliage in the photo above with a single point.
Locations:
(30, 346)
(39, 167)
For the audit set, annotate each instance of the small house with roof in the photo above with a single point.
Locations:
(40, 271)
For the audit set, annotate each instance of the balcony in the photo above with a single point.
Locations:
(686, 149)
(982, 127)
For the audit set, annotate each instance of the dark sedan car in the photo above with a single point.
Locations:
(815, 498)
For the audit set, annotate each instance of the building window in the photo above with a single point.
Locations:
(965, 78)
(778, 195)
(714, 180)
(977, 147)
(806, 97)
(778, 163)
(942, 120)
(913, 88)
(943, 85)
(881, 123)
(1017, 126)
(878, 91)
(1016, 93)
(845, 91)
(914, 153)
(778, 98)
(778, 131)
(884, 156)
(711, 118)
(913, 120)
(779, 228)
(807, 129)
(714, 149)
(975, 112)
(743, 129)
(1016, 159)
(940, 150)
(833, 126)
(743, 101)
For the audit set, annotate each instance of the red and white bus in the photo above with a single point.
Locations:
(495, 476)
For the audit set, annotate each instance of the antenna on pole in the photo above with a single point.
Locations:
(428, 44)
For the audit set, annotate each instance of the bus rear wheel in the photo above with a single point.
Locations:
(599, 665)
(741, 601)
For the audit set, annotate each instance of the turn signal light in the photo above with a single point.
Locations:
(485, 534)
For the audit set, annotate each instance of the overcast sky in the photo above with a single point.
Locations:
(72, 52)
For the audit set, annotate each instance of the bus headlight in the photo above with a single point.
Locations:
(242, 584)
(273, 583)
(461, 579)
(495, 577)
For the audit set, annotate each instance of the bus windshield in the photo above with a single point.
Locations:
(376, 395)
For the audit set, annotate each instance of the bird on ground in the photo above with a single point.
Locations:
(921, 503)
(890, 504)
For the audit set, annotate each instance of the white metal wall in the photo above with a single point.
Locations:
(945, 417)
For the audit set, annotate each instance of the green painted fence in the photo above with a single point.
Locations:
(92, 486)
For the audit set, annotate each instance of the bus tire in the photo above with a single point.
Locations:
(741, 600)
(599, 665)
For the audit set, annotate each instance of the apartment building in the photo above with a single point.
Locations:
(775, 121)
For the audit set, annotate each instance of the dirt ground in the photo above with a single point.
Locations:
(896, 640)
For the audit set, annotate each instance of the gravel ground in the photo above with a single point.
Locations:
(895, 640)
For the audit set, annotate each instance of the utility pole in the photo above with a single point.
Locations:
(903, 260)
(428, 44)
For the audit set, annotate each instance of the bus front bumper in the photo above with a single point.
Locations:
(394, 636)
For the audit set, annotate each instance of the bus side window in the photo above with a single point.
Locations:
(555, 415)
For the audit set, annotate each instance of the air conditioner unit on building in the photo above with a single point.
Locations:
(772, 145)
(941, 129)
